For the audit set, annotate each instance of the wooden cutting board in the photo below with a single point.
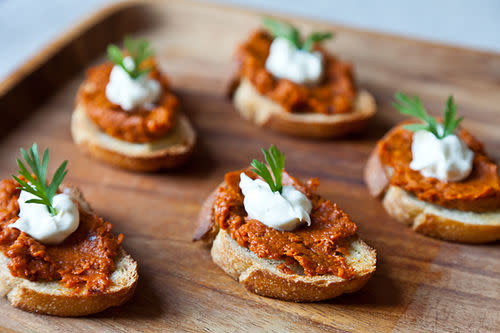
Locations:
(420, 285)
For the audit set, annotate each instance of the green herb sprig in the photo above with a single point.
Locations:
(276, 162)
(288, 31)
(138, 49)
(413, 107)
(37, 184)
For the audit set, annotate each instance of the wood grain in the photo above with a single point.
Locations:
(421, 284)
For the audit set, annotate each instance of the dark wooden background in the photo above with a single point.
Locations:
(420, 285)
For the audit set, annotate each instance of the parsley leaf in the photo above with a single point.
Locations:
(276, 162)
(138, 49)
(315, 37)
(450, 122)
(288, 31)
(36, 179)
(413, 107)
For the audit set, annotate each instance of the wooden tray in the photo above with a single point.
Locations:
(421, 284)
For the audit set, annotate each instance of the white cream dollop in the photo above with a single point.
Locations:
(36, 221)
(447, 159)
(128, 92)
(285, 211)
(285, 61)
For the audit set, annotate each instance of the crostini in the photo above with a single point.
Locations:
(57, 256)
(280, 239)
(126, 114)
(296, 87)
(436, 177)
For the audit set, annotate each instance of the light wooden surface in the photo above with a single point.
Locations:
(420, 285)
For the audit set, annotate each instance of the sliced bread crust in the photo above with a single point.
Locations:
(427, 218)
(261, 276)
(53, 298)
(435, 221)
(166, 153)
(266, 113)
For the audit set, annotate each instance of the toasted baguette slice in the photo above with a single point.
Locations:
(427, 218)
(52, 298)
(166, 153)
(267, 113)
(261, 276)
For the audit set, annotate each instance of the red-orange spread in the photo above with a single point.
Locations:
(84, 260)
(334, 94)
(139, 125)
(319, 248)
(479, 192)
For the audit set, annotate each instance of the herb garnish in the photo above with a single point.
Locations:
(288, 31)
(36, 179)
(413, 107)
(138, 49)
(276, 162)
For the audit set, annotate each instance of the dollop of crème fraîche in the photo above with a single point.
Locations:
(36, 220)
(286, 61)
(128, 92)
(282, 211)
(447, 159)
